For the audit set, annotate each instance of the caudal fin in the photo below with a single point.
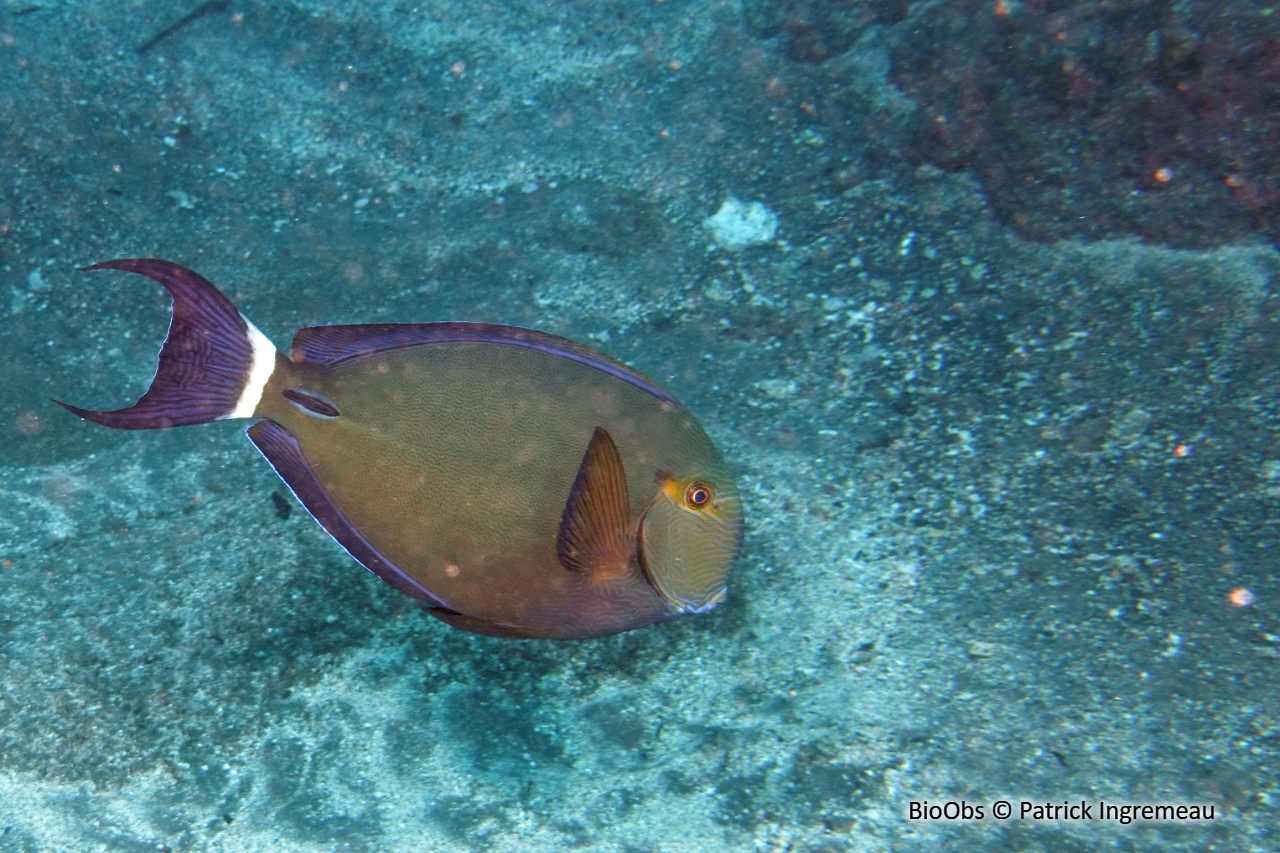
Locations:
(214, 363)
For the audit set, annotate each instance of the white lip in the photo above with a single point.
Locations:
(716, 598)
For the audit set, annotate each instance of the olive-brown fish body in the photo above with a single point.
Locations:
(466, 453)
(516, 483)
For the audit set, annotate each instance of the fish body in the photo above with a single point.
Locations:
(517, 483)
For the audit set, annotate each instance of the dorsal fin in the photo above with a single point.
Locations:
(594, 530)
(332, 345)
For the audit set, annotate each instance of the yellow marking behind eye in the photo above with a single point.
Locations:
(670, 488)
(681, 493)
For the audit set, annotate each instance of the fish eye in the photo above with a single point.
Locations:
(698, 496)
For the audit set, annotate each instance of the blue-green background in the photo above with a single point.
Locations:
(998, 492)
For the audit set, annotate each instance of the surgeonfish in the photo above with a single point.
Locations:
(518, 484)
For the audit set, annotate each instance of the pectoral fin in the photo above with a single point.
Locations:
(595, 536)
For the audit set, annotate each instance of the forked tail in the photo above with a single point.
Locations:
(214, 363)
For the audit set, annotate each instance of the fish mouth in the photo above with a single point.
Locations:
(712, 600)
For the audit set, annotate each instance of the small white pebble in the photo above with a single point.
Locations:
(737, 226)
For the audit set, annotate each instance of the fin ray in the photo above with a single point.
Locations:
(593, 533)
(210, 359)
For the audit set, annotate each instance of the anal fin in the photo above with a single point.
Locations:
(463, 622)
(281, 449)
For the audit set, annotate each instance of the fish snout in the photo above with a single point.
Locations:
(708, 605)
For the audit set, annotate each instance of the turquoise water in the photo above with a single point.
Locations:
(1000, 399)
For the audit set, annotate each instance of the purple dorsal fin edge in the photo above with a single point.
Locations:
(332, 345)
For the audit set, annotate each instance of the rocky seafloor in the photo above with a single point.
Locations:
(1012, 505)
